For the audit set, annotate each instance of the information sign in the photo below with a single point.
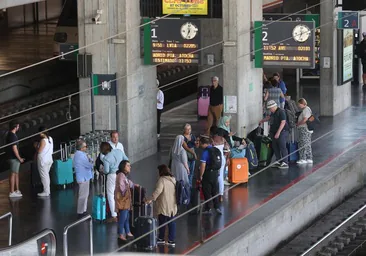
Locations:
(172, 41)
(288, 44)
(65, 48)
(348, 20)
(292, 17)
(185, 7)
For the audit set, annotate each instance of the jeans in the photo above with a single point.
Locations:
(279, 147)
(171, 226)
(123, 222)
(191, 166)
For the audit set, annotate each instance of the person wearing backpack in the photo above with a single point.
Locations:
(165, 204)
(211, 161)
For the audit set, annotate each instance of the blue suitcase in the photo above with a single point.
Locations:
(144, 225)
(63, 171)
(99, 210)
(292, 147)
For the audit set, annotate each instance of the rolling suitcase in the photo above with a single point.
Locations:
(138, 195)
(63, 171)
(238, 170)
(265, 151)
(144, 225)
(203, 101)
(292, 148)
(99, 209)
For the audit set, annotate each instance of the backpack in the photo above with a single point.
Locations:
(182, 193)
(251, 155)
(291, 118)
(215, 159)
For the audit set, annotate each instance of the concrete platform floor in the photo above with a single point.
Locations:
(31, 214)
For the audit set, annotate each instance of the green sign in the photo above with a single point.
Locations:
(258, 44)
(348, 20)
(104, 84)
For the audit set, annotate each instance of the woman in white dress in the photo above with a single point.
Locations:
(45, 160)
(179, 160)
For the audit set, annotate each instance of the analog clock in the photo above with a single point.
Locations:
(301, 33)
(188, 30)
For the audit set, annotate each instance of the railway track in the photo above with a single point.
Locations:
(341, 232)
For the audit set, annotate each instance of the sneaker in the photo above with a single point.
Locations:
(14, 195)
(226, 183)
(301, 161)
(171, 243)
(283, 165)
(43, 194)
(309, 161)
(207, 212)
(160, 242)
(276, 164)
(18, 192)
(218, 211)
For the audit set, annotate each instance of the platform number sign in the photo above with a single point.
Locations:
(348, 20)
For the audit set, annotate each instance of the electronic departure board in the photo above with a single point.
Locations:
(288, 44)
(172, 41)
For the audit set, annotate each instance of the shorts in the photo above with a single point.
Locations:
(14, 165)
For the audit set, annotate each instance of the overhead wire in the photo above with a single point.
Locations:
(137, 96)
(150, 66)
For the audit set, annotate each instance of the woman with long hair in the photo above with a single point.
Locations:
(165, 204)
(45, 160)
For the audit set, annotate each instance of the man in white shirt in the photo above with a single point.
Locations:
(115, 142)
(159, 106)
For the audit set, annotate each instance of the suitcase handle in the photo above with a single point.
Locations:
(146, 205)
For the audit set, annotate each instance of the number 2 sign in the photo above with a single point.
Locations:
(348, 20)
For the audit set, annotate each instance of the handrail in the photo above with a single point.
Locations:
(334, 230)
(40, 235)
(10, 215)
(66, 229)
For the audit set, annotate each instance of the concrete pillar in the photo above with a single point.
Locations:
(240, 78)
(136, 83)
(334, 98)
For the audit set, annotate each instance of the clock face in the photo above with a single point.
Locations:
(188, 30)
(301, 33)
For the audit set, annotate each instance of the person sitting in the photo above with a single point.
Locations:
(225, 131)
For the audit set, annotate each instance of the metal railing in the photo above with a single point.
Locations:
(66, 229)
(51, 247)
(314, 246)
(10, 216)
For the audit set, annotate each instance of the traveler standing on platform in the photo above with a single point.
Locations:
(278, 133)
(123, 200)
(45, 160)
(166, 204)
(115, 142)
(274, 93)
(362, 56)
(216, 101)
(111, 161)
(282, 86)
(159, 106)
(211, 162)
(83, 166)
(14, 158)
(305, 152)
(189, 145)
(219, 143)
(179, 166)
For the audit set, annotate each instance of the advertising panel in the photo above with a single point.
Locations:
(347, 49)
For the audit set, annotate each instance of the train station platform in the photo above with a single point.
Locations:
(335, 136)
(22, 47)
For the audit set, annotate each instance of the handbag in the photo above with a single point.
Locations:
(312, 121)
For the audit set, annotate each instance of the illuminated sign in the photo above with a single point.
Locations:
(345, 56)
(172, 41)
(288, 44)
(185, 7)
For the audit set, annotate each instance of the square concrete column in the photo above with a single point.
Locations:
(334, 98)
(136, 83)
(240, 78)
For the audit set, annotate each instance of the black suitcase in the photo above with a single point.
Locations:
(138, 195)
(146, 225)
(35, 177)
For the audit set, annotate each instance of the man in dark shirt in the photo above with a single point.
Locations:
(278, 132)
(215, 108)
(14, 159)
(362, 55)
(208, 177)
